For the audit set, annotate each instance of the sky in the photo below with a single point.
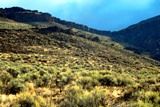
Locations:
(100, 14)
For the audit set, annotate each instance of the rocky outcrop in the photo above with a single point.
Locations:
(22, 15)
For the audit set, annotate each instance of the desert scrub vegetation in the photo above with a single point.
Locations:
(14, 25)
(24, 99)
(68, 87)
(111, 80)
(76, 96)
(88, 82)
(148, 98)
(67, 70)
(114, 78)
(14, 86)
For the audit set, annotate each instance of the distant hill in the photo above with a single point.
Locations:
(143, 37)
(39, 18)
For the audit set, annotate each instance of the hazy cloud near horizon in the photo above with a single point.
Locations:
(100, 14)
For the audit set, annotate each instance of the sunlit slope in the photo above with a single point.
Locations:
(68, 68)
(10, 24)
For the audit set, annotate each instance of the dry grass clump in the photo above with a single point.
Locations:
(148, 99)
(78, 97)
(29, 100)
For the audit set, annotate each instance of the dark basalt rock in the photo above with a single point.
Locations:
(22, 15)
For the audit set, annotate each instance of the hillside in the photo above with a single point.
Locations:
(10, 24)
(44, 19)
(145, 32)
(143, 37)
(65, 67)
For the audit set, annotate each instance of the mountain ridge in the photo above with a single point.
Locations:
(143, 37)
(43, 17)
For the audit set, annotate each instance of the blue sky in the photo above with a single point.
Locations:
(100, 14)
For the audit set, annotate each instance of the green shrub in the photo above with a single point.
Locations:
(13, 72)
(5, 77)
(113, 80)
(77, 97)
(28, 100)
(143, 104)
(108, 80)
(34, 76)
(14, 87)
(24, 70)
(43, 80)
(124, 81)
(62, 79)
(148, 99)
(88, 82)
